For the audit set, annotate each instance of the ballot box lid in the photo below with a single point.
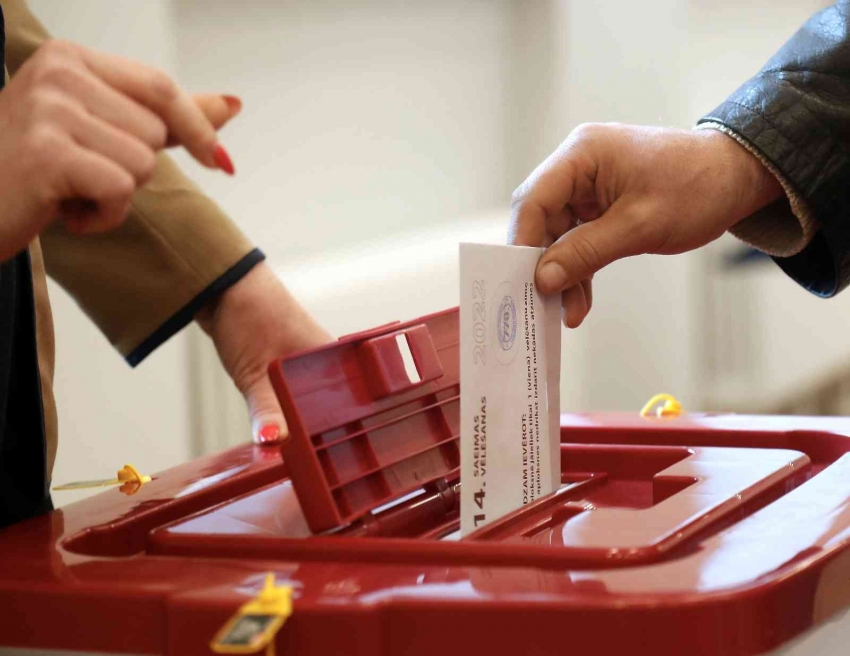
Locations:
(372, 417)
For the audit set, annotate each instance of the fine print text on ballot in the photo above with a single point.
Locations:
(531, 420)
(508, 384)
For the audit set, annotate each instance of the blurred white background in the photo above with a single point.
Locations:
(376, 134)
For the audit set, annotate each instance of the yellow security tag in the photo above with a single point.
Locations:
(127, 477)
(671, 407)
(256, 623)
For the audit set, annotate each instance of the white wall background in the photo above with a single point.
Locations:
(365, 120)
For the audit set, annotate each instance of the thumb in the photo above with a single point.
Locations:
(267, 422)
(218, 109)
(587, 248)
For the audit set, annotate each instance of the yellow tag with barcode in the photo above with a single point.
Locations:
(256, 623)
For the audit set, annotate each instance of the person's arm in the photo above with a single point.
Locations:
(794, 115)
(176, 257)
(144, 281)
(775, 169)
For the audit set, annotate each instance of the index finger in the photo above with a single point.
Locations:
(154, 89)
(218, 109)
(544, 194)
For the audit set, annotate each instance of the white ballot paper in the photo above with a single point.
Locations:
(510, 360)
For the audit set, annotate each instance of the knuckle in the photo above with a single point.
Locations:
(146, 165)
(52, 64)
(116, 189)
(585, 131)
(583, 134)
(201, 136)
(46, 106)
(519, 195)
(51, 72)
(569, 167)
(59, 47)
(163, 88)
(122, 188)
(42, 142)
(158, 133)
(586, 254)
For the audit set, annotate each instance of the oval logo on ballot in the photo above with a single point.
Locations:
(506, 323)
(505, 326)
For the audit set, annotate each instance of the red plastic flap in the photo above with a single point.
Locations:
(363, 431)
(383, 362)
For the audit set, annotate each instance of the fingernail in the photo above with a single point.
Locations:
(268, 434)
(222, 160)
(551, 278)
(233, 103)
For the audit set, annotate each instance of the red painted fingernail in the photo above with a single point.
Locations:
(222, 160)
(233, 103)
(268, 434)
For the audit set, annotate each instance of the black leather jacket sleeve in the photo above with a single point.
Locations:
(796, 113)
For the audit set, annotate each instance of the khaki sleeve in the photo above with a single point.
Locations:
(176, 252)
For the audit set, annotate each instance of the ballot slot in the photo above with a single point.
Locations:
(617, 506)
(374, 452)
(366, 468)
(662, 493)
(625, 485)
(593, 478)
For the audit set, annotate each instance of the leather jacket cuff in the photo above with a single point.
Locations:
(783, 228)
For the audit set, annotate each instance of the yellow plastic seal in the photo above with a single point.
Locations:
(128, 477)
(670, 408)
(256, 623)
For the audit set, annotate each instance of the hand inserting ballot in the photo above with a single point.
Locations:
(612, 191)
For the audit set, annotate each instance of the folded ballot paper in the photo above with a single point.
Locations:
(510, 350)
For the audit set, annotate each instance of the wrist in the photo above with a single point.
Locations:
(237, 296)
(260, 290)
(752, 185)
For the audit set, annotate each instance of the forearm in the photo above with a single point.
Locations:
(795, 116)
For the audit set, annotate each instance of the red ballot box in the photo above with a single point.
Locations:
(699, 535)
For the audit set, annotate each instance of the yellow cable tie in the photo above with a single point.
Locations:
(671, 407)
(130, 474)
(128, 477)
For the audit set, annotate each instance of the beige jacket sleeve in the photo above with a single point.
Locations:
(146, 280)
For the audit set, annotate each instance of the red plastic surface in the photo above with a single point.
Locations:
(161, 571)
(702, 535)
(590, 522)
(362, 432)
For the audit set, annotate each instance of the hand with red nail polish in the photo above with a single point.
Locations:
(254, 322)
(234, 104)
(222, 159)
(268, 434)
(80, 134)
